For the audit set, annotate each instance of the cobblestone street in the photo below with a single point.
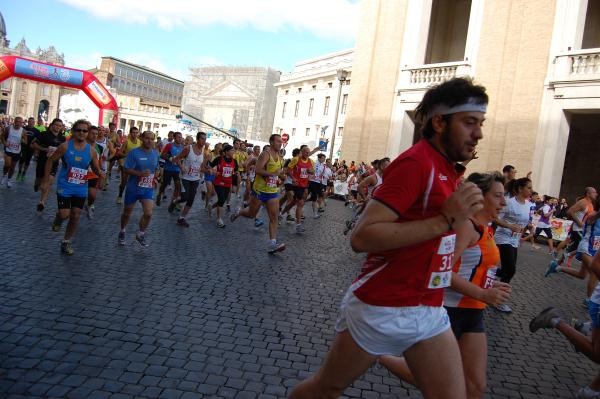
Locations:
(205, 312)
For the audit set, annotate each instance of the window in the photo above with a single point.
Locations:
(293, 131)
(297, 108)
(591, 30)
(46, 90)
(326, 108)
(347, 82)
(314, 87)
(340, 131)
(344, 104)
(448, 28)
(307, 131)
(287, 92)
(283, 110)
(330, 85)
(311, 105)
(299, 89)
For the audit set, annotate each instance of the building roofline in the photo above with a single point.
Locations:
(143, 68)
(325, 56)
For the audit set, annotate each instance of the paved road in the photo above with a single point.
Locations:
(204, 313)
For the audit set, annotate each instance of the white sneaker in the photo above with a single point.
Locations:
(316, 216)
(3, 181)
(91, 211)
(587, 393)
(8, 183)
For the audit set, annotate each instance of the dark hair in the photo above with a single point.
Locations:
(226, 148)
(93, 127)
(236, 141)
(200, 134)
(272, 137)
(514, 185)
(451, 93)
(382, 161)
(507, 168)
(534, 193)
(295, 152)
(56, 120)
(132, 128)
(485, 180)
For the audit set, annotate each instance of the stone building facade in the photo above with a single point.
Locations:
(539, 60)
(307, 98)
(234, 98)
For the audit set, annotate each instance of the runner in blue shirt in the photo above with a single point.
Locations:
(141, 165)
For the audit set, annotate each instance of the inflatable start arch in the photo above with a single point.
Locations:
(18, 67)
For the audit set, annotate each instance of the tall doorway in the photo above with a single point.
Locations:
(582, 159)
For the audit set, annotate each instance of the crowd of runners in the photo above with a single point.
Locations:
(441, 246)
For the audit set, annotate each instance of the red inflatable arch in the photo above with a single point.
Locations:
(12, 66)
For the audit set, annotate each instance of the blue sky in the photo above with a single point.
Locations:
(171, 35)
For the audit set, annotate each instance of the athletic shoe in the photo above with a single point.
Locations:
(171, 207)
(158, 200)
(316, 216)
(561, 259)
(290, 218)
(234, 215)
(228, 206)
(3, 181)
(183, 222)
(66, 248)
(40, 207)
(91, 212)
(504, 308)
(551, 268)
(275, 247)
(585, 304)
(547, 318)
(8, 183)
(220, 224)
(300, 229)
(119, 200)
(258, 223)
(121, 239)
(56, 225)
(587, 393)
(533, 246)
(141, 238)
(321, 210)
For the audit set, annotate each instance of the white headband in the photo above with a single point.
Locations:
(472, 105)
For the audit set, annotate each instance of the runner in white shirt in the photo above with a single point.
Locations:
(315, 189)
(326, 177)
(12, 138)
(193, 164)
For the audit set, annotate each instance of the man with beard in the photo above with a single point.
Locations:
(394, 307)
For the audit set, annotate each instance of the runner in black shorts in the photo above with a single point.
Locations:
(46, 143)
(26, 149)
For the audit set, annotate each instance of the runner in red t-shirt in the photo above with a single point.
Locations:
(299, 169)
(394, 307)
(224, 168)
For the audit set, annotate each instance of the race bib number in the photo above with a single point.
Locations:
(13, 146)
(440, 268)
(596, 243)
(146, 181)
(490, 278)
(194, 171)
(304, 173)
(227, 171)
(76, 175)
(272, 181)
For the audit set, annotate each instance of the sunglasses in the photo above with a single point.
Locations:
(80, 130)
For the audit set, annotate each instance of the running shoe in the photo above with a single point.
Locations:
(551, 268)
(561, 258)
(547, 318)
(587, 393)
(8, 183)
(290, 218)
(317, 216)
(121, 239)
(234, 215)
(220, 224)
(119, 200)
(158, 200)
(586, 303)
(141, 238)
(321, 210)
(91, 212)
(584, 327)
(40, 207)
(258, 223)
(228, 206)
(56, 224)
(183, 222)
(171, 207)
(300, 229)
(275, 247)
(3, 181)
(504, 308)
(66, 248)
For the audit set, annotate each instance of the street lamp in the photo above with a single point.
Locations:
(341, 76)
